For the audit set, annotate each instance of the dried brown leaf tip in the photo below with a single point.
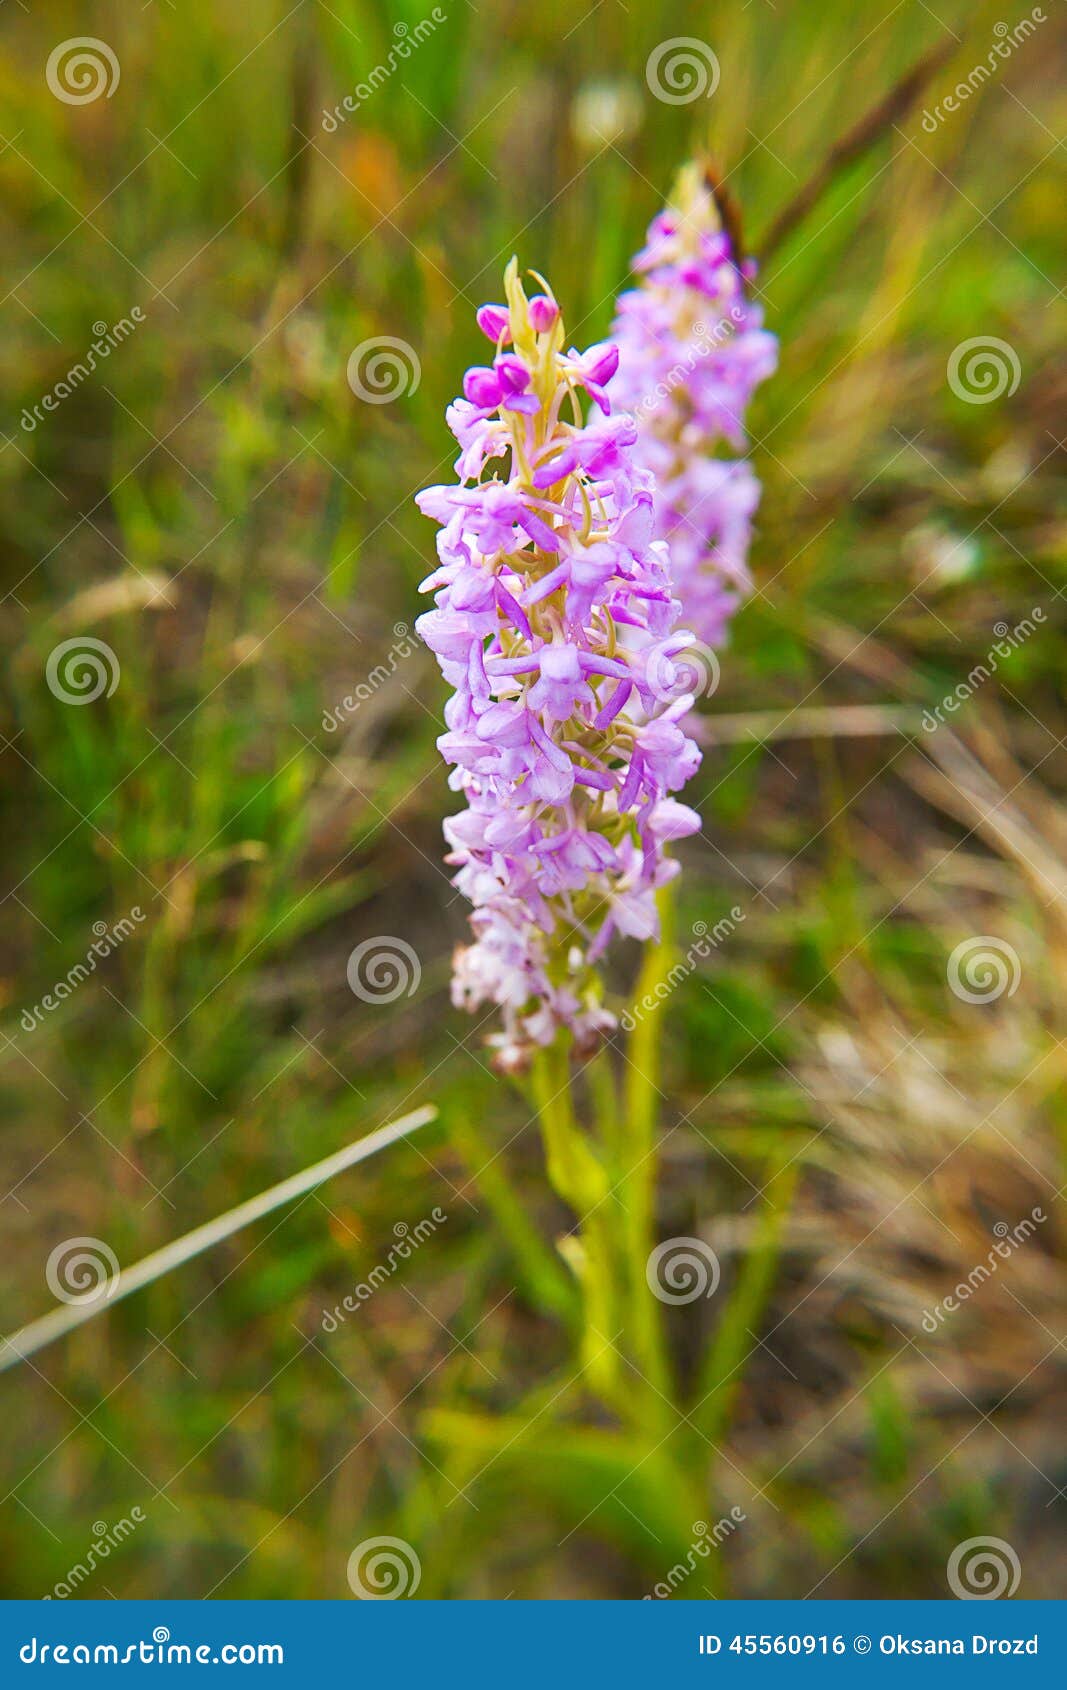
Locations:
(726, 205)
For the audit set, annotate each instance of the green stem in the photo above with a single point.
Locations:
(578, 1175)
(734, 1337)
(605, 1094)
(543, 1276)
(639, 1162)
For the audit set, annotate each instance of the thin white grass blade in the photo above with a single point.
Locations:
(29, 1339)
(842, 721)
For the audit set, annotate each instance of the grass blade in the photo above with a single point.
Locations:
(56, 1324)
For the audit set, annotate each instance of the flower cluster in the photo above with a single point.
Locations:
(556, 627)
(692, 349)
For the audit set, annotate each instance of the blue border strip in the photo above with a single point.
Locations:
(543, 1645)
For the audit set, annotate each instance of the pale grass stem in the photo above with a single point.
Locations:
(29, 1339)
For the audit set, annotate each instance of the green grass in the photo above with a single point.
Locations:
(215, 504)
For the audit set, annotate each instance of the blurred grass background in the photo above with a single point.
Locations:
(216, 505)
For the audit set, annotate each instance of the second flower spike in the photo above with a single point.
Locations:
(692, 348)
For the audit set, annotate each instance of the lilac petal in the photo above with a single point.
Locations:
(555, 468)
(494, 321)
(631, 784)
(512, 608)
(614, 704)
(556, 757)
(482, 387)
(539, 531)
(594, 664)
(547, 584)
(543, 312)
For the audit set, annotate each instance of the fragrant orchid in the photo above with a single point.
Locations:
(692, 349)
(556, 628)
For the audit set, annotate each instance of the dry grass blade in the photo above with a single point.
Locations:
(954, 778)
(863, 135)
(29, 1339)
(843, 721)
